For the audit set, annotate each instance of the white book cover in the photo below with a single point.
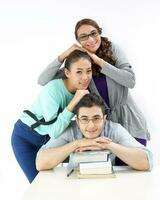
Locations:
(90, 156)
(96, 167)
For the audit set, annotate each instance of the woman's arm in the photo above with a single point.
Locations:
(49, 106)
(122, 72)
(49, 72)
(53, 71)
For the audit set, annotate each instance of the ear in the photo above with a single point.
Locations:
(67, 72)
(77, 120)
(105, 116)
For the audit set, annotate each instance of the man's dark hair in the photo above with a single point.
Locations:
(90, 100)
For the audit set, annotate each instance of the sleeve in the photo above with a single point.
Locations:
(65, 138)
(53, 143)
(122, 137)
(122, 72)
(49, 108)
(52, 71)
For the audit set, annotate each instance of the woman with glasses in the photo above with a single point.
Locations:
(52, 111)
(113, 76)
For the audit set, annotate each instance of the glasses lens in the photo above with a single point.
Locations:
(84, 120)
(95, 120)
(94, 34)
(83, 37)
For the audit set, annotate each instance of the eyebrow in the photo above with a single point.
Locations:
(87, 33)
(92, 116)
(83, 69)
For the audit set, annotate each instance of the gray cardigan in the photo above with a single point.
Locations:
(119, 79)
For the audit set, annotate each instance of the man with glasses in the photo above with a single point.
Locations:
(92, 131)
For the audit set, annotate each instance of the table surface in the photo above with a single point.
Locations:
(128, 184)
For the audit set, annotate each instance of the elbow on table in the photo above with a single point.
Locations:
(143, 166)
(42, 165)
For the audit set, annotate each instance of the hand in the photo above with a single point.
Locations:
(84, 142)
(99, 143)
(99, 61)
(103, 140)
(66, 53)
(91, 148)
(77, 97)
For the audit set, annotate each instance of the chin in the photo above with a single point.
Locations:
(83, 88)
(93, 50)
(91, 136)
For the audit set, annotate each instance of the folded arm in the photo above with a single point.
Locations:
(50, 157)
(134, 157)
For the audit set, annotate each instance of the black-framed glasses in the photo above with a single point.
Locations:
(86, 120)
(92, 34)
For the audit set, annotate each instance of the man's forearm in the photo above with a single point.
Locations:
(51, 157)
(134, 157)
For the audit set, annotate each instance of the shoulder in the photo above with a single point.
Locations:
(51, 87)
(111, 125)
(114, 130)
(71, 131)
(116, 49)
(53, 83)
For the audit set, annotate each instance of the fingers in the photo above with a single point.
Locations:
(103, 140)
(92, 148)
(77, 47)
(79, 94)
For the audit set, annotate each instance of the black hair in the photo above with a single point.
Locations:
(75, 56)
(90, 100)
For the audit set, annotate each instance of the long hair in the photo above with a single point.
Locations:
(104, 51)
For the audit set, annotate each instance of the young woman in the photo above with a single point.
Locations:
(112, 77)
(52, 111)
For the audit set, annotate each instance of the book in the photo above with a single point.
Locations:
(96, 167)
(90, 156)
(92, 164)
(88, 176)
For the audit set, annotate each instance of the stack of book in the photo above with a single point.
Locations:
(93, 164)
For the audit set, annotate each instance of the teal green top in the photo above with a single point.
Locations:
(53, 96)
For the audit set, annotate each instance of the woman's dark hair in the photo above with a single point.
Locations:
(90, 100)
(75, 56)
(104, 51)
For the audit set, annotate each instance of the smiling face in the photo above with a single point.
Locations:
(79, 75)
(92, 41)
(90, 121)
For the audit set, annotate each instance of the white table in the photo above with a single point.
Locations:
(129, 184)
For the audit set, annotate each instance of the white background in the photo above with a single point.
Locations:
(34, 32)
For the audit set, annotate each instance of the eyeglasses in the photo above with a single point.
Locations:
(95, 120)
(84, 37)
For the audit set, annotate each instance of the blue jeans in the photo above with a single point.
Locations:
(25, 144)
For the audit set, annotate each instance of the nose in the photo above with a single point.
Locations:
(90, 39)
(85, 76)
(90, 124)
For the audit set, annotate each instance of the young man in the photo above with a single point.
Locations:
(92, 131)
